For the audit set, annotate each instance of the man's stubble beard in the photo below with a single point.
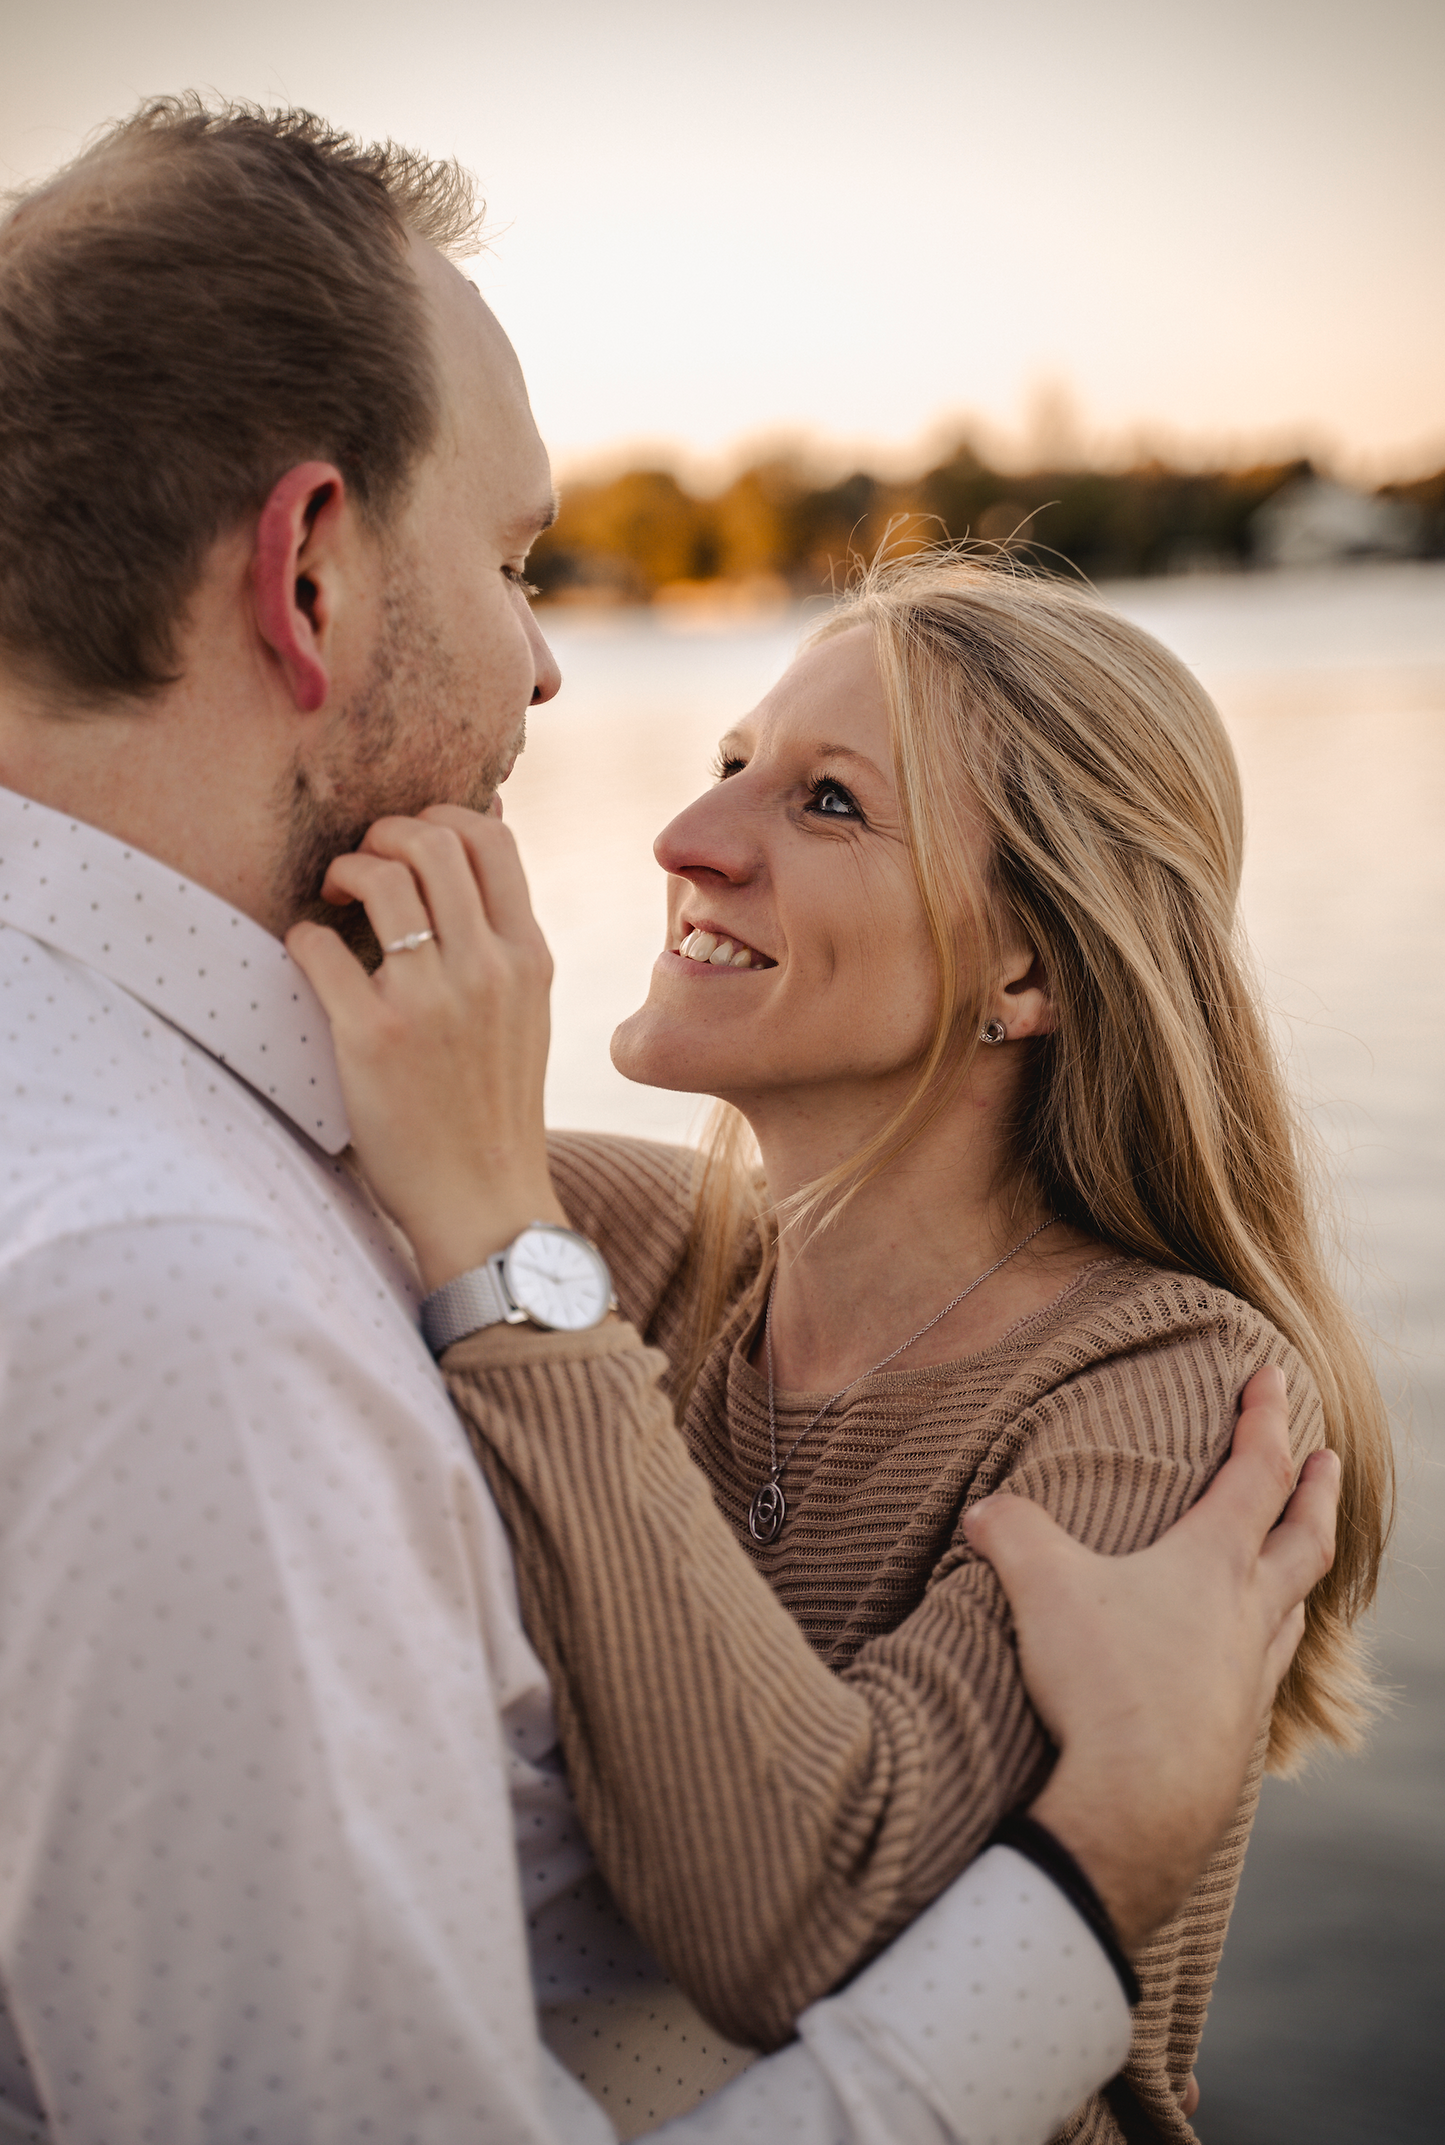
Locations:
(401, 743)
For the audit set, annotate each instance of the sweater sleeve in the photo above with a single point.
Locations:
(712, 1753)
(765, 1822)
(634, 1199)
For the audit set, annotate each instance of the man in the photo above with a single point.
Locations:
(273, 1744)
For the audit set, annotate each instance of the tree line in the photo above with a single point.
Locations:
(628, 537)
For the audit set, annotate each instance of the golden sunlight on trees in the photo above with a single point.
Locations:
(774, 532)
(628, 538)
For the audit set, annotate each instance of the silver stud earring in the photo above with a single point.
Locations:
(993, 1033)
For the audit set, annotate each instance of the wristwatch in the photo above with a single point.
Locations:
(548, 1275)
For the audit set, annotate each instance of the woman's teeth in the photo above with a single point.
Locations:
(718, 952)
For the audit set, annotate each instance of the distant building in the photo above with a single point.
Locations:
(1312, 521)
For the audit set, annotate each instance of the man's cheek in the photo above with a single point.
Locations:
(502, 649)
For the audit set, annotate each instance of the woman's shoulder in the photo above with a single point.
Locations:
(1155, 1332)
(1118, 1404)
(1132, 1303)
(634, 1198)
(1127, 1302)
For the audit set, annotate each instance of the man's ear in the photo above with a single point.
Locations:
(1025, 1006)
(295, 537)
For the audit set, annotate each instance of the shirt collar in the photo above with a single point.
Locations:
(185, 953)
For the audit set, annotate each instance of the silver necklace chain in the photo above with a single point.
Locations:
(769, 1507)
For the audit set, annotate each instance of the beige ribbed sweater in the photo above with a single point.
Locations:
(781, 1755)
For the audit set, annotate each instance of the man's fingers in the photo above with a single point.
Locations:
(1029, 1550)
(1301, 1548)
(1249, 1492)
(1265, 1392)
(1261, 1440)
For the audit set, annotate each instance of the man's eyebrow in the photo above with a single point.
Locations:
(524, 531)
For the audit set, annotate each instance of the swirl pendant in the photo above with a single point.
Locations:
(767, 1511)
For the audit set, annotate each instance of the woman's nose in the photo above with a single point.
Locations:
(711, 837)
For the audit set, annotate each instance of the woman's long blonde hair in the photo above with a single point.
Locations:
(1157, 1118)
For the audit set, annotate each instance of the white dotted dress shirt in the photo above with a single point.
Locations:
(277, 1764)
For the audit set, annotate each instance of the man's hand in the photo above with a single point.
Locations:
(1153, 1673)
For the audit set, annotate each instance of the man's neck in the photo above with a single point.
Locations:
(177, 777)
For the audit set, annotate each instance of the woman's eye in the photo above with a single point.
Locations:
(830, 800)
(727, 763)
(514, 575)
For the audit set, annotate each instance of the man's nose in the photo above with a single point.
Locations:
(547, 675)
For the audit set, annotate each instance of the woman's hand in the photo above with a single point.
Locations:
(442, 1052)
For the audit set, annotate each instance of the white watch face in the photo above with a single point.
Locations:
(558, 1279)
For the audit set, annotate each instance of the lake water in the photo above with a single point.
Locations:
(1327, 2020)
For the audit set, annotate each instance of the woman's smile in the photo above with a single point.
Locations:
(712, 945)
(793, 866)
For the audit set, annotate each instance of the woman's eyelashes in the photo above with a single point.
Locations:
(825, 797)
(518, 580)
(828, 799)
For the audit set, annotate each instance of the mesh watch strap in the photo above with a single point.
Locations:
(461, 1306)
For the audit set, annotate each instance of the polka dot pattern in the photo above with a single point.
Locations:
(181, 950)
(267, 1711)
(1003, 2005)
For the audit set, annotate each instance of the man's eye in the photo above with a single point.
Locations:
(514, 575)
(830, 800)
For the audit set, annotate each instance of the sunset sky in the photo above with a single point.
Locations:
(1203, 229)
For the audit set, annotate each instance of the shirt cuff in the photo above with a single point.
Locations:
(998, 2007)
(1038, 1845)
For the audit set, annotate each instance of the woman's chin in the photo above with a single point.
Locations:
(652, 1050)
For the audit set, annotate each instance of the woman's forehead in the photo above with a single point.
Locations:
(832, 690)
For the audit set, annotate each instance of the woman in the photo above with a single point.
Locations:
(953, 941)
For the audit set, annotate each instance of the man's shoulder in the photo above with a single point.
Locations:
(108, 1115)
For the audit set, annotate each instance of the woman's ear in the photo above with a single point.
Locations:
(1023, 1004)
(290, 577)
